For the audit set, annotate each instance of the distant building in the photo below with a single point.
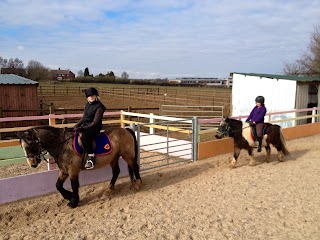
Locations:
(62, 75)
(16, 71)
(193, 81)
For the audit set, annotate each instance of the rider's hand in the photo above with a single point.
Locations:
(79, 129)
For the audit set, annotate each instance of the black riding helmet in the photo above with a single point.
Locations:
(91, 91)
(260, 99)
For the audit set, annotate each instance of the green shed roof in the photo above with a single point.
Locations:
(286, 77)
(15, 79)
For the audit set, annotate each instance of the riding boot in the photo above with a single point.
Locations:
(260, 143)
(90, 161)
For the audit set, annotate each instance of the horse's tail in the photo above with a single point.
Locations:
(283, 143)
(135, 152)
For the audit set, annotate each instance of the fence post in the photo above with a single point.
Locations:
(52, 121)
(121, 119)
(313, 115)
(195, 133)
(1, 124)
(295, 121)
(151, 130)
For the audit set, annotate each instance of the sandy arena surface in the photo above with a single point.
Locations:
(202, 200)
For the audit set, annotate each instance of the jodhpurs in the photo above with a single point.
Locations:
(87, 139)
(259, 127)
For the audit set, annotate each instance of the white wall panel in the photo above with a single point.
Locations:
(279, 95)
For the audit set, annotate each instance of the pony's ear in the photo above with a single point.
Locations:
(19, 134)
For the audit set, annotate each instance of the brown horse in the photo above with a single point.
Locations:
(58, 143)
(242, 135)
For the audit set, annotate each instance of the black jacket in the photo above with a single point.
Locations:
(92, 115)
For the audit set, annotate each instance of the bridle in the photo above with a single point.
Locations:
(227, 130)
(36, 143)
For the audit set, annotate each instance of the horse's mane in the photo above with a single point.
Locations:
(234, 123)
(50, 134)
(49, 128)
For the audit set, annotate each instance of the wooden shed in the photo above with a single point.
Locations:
(18, 97)
(281, 92)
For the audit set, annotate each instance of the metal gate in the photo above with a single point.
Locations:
(166, 142)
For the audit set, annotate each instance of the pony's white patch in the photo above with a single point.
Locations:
(246, 133)
(24, 145)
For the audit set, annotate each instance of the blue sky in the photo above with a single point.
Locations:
(163, 38)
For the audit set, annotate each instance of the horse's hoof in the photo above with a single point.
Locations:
(72, 204)
(233, 163)
(110, 190)
(138, 184)
(251, 164)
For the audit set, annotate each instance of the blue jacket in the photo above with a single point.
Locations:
(257, 114)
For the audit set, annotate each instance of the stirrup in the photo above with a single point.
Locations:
(87, 164)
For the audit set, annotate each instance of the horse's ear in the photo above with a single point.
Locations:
(19, 134)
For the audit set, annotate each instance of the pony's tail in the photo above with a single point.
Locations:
(283, 144)
(135, 152)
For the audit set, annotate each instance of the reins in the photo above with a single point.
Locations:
(234, 131)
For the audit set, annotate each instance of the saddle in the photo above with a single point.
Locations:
(102, 144)
(254, 130)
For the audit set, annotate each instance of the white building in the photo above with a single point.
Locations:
(281, 92)
(217, 82)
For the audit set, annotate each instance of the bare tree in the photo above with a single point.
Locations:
(309, 63)
(80, 73)
(11, 63)
(125, 75)
(37, 71)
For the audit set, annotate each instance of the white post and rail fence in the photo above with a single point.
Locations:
(162, 141)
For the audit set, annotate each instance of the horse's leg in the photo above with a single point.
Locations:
(236, 154)
(280, 156)
(59, 185)
(136, 171)
(252, 162)
(268, 149)
(115, 174)
(75, 191)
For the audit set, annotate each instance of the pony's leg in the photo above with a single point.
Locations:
(252, 162)
(136, 171)
(236, 154)
(268, 149)
(280, 156)
(75, 191)
(59, 185)
(115, 174)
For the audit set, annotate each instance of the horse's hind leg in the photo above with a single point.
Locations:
(59, 185)
(280, 156)
(268, 149)
(115, 174)
(252, 162)
(136, 171)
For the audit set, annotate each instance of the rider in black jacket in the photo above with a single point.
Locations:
(90, 124)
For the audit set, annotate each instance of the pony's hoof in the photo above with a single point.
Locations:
(138, 184)
(110, 190)
(233, 163)
(72, 204)
(251, 164)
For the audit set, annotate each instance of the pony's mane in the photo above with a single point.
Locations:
(234, 123)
